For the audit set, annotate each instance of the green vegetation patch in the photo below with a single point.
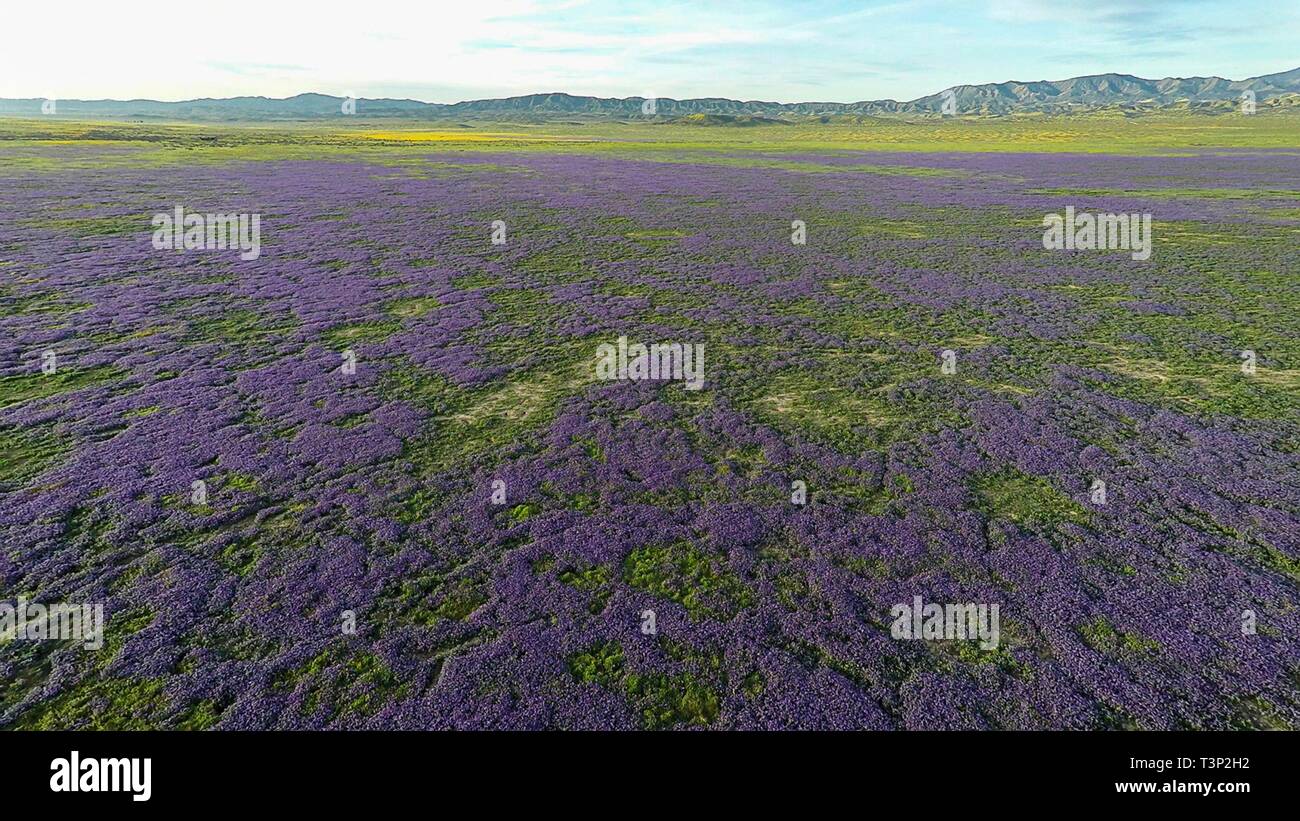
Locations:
(362, 332)
(667, 701)
(24, 387)
(601, 664)
(476, 423)
(687, 575)
(411, 307)
(594, 579)
(103, 704)
(105, 226)
(341, 683)
(663, 700)
(1102, 636)
(1029, 501)
(26, 453)
(429, 599)
(40, 303)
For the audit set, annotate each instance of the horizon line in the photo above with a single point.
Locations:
(633, 97)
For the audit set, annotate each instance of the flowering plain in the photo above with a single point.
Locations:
(365, 499)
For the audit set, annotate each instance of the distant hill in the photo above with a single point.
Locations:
(1075, 94)
(732, 120)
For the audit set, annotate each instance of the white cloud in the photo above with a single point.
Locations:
(771, 49)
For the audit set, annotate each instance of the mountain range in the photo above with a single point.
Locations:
(1058, 96)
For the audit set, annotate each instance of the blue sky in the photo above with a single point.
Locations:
(759, 49)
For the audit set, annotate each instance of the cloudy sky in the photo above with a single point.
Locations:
(757, 49)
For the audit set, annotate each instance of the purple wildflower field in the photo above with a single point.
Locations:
(418, 507)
